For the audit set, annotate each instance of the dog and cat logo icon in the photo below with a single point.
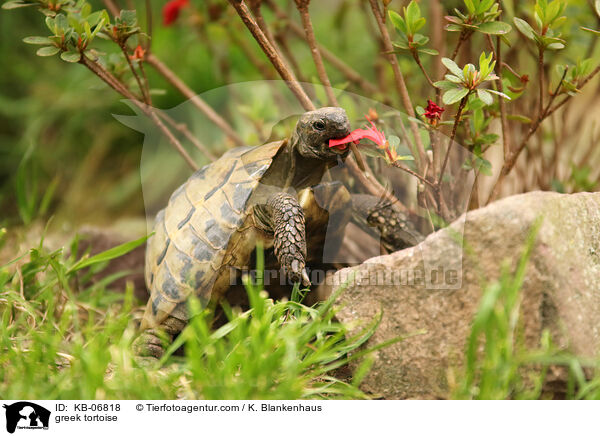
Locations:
(26, 415)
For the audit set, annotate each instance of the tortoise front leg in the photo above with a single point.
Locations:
(287, 222)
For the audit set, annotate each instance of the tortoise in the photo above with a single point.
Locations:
(272, 193)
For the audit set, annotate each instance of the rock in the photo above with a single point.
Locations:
(436, 286)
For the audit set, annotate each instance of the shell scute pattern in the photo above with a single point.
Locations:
(192, 234)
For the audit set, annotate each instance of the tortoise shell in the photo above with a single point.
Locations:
(205, 229)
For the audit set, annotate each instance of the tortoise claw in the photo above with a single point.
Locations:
(305, 278)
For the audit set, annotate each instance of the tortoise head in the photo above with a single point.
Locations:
(314, 130)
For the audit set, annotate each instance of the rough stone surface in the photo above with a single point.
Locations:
(561, 291)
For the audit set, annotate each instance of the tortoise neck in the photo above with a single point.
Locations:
(303, 171)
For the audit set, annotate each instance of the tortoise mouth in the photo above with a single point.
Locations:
(340, 150)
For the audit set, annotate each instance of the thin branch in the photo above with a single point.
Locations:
(541, 82)
(123, 48)
(370, 185)
(411, 172)
(511, 69)
(112, 7)
(437, 38)
(506, 137)
(183, 129)
(399, 79)
(464, 35)
(260, 20)
(113, 82)
(415, 55)
(302, 6)
(263, 68)
(287, 54)
(146, 83)
(351, 74)
(272, 54)
(148, 26)
(556, 91)
(178, 84)
(461, 106)
(510, 162)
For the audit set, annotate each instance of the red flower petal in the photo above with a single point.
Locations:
(171, 10)
(433, 111)
(356, 135)
(138, 53)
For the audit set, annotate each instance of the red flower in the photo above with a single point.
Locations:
(138, 53)
(433, 111)
(377, 136)
(171, 10)
(356, 135)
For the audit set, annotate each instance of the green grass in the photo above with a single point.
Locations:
(65, 338)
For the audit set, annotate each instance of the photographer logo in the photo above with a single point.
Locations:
(24, 415)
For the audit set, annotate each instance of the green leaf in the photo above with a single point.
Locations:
(454, 95)
(75, 23)
(61, 22)
(555, 46)
(37, 40)
(524, 27)
(70, 56)
(495, 28)
(445, 85)
(99, 26)
(484, 5)
(419, 39)
(485, 96)
(394, 141)
(498, 93)
(428, 51)
(88, 31)
(47, 51)
(109, 254)
(94, 18)
(129, 18)
(484, 63)
(477, 119)
(489, 138)
(412, 14)
(452, 67)
(405, 157)
(398, 21)
(453, 28)
(401, 45)
(50, 24)
(452, 78)
(418, 24)
(595, 32)
(453, 19)
(15, 5)
(470, 6)
(520, 118)
(484, 166)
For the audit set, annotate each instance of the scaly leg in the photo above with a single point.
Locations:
(287, 223)
(397, 232)
(152, 342)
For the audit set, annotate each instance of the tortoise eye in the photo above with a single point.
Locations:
(319, 125)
